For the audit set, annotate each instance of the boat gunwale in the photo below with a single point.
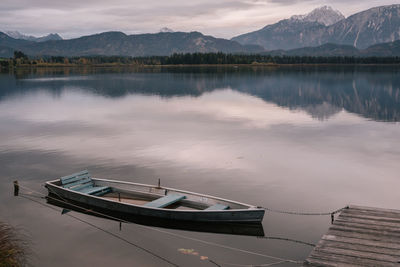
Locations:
(250, 207)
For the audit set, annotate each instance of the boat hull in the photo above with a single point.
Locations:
(231, 215)
(231, 228)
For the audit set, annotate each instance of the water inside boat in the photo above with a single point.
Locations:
(138, 200)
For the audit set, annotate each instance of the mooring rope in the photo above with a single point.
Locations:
(287, 239)
(252, 265)
(174, 234)
(281, 260)
(108, 232)
(265, 208)
(177, 235)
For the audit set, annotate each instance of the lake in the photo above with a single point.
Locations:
(304, 139)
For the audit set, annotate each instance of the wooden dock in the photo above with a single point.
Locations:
(360, 236)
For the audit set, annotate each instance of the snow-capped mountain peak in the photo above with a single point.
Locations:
(325, 15)
(18, 35)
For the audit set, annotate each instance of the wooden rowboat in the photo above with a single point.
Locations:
(150, 200)
(230, 228)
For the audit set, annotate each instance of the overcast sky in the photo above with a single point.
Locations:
(220, 18)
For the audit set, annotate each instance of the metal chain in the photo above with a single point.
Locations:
(305, 213)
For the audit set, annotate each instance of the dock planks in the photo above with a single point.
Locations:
(360, 236)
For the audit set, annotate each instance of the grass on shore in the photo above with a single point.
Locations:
(13, 248)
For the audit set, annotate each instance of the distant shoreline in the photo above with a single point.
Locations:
(20, 60)
(260, 65)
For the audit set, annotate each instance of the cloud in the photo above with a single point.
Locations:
(223, 18)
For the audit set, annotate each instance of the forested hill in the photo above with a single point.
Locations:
(120, 44)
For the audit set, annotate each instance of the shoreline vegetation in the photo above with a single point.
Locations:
(20, 60)
(13, 248)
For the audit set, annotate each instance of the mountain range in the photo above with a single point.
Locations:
(118, 43)
(325, 25)
(49, 37)
(390, 49)
(322, 32)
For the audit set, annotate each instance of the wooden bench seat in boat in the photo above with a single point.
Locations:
(96, 190)
(75, 179)
(82, 182)
(218, 207)
(164, 201)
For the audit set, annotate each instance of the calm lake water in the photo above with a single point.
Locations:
(298, 139)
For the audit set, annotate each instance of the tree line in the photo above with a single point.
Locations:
(192, 59)
(221, 58)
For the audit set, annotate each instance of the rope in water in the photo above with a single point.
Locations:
(265, 208)
(281, 260)
(160, 257)
(251, 265)
(287, 239)
(108, 232)
(259, 237)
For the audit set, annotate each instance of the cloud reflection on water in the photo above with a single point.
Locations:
(141, 128)
(289, 140)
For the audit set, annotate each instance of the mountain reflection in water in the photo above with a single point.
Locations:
(321, 92)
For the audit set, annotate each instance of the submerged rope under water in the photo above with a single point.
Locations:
(108, 232)
(280, 260)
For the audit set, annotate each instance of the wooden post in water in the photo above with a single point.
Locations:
(16, 188)
(119, 196)
(159, 183)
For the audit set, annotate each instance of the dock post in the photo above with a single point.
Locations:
(16, 188)
(332, 217)
(159, 183)
(119, 196)
(120, 225)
